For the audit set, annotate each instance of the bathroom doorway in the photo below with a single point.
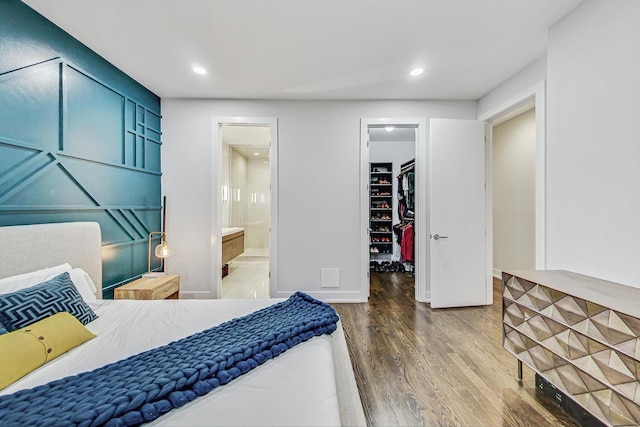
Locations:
(246, 210)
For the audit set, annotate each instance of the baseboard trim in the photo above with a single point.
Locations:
(497, 273)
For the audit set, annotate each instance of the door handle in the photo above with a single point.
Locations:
(438, 237)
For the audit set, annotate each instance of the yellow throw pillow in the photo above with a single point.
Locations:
(26, 349)
(20, 354)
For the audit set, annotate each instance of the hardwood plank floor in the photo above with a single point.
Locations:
(420, 366)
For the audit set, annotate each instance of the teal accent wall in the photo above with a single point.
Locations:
(79, 141)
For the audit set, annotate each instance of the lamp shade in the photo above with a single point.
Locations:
(163, 250)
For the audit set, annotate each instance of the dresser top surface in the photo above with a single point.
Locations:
(146, 283)
(618, 297)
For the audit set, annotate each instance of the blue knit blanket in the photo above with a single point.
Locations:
(141, 388)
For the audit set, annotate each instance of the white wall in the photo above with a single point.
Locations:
(238, 188)
(225, 175)
(318, 176)
(593, 141)
(249, 209)
(258, 208)
(513, 179)
(513, 86)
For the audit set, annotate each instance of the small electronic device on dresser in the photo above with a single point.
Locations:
(149, 288)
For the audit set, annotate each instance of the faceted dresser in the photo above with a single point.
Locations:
(581, 334)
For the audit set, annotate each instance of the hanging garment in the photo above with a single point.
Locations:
(398, 229)
(410, 190)
(405, 186)
(406, 246)
(401, 208)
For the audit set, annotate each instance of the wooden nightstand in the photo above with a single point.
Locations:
(163, 287)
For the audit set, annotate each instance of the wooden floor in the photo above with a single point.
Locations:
(420, 366)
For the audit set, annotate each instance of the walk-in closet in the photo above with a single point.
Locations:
(392, 202)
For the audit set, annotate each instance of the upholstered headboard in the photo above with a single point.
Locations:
(25, 248)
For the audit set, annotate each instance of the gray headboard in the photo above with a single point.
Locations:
(25, 248)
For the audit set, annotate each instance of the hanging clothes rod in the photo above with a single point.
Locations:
(409, 163)
(407, 167)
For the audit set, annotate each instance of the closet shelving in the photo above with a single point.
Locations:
(381, 209)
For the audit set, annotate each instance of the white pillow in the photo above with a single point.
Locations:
(83, 283)
(80, 278)
(26, 280)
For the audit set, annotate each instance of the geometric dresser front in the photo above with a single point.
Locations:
(581, 334)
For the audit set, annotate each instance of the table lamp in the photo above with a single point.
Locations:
(161, 251)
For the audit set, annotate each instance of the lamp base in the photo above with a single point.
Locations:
(154, 274)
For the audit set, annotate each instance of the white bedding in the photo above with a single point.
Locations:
(297, 388)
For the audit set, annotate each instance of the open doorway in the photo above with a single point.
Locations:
(392, 201)
(392, 151)
(246, 210)
(521, 120)
(513, 168)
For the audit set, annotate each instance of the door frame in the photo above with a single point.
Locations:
(512, 107)
(216, 199)
(422, 285)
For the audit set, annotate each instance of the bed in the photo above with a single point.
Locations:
(309, 384)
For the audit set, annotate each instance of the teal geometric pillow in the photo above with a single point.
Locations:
(26, 306)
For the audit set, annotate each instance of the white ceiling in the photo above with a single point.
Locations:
(250, 152)
(397, 134)
(251, 135)
(248, 140)
(328, 49)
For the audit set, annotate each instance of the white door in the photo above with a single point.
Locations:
(458, 250)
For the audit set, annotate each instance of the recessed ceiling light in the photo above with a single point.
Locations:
(416, 72)
(389, 128)
(199, 70)
(256, 154)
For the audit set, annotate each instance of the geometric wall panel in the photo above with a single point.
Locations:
(30, 95)
(79, 141)
(94, 113)
(582, 337)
